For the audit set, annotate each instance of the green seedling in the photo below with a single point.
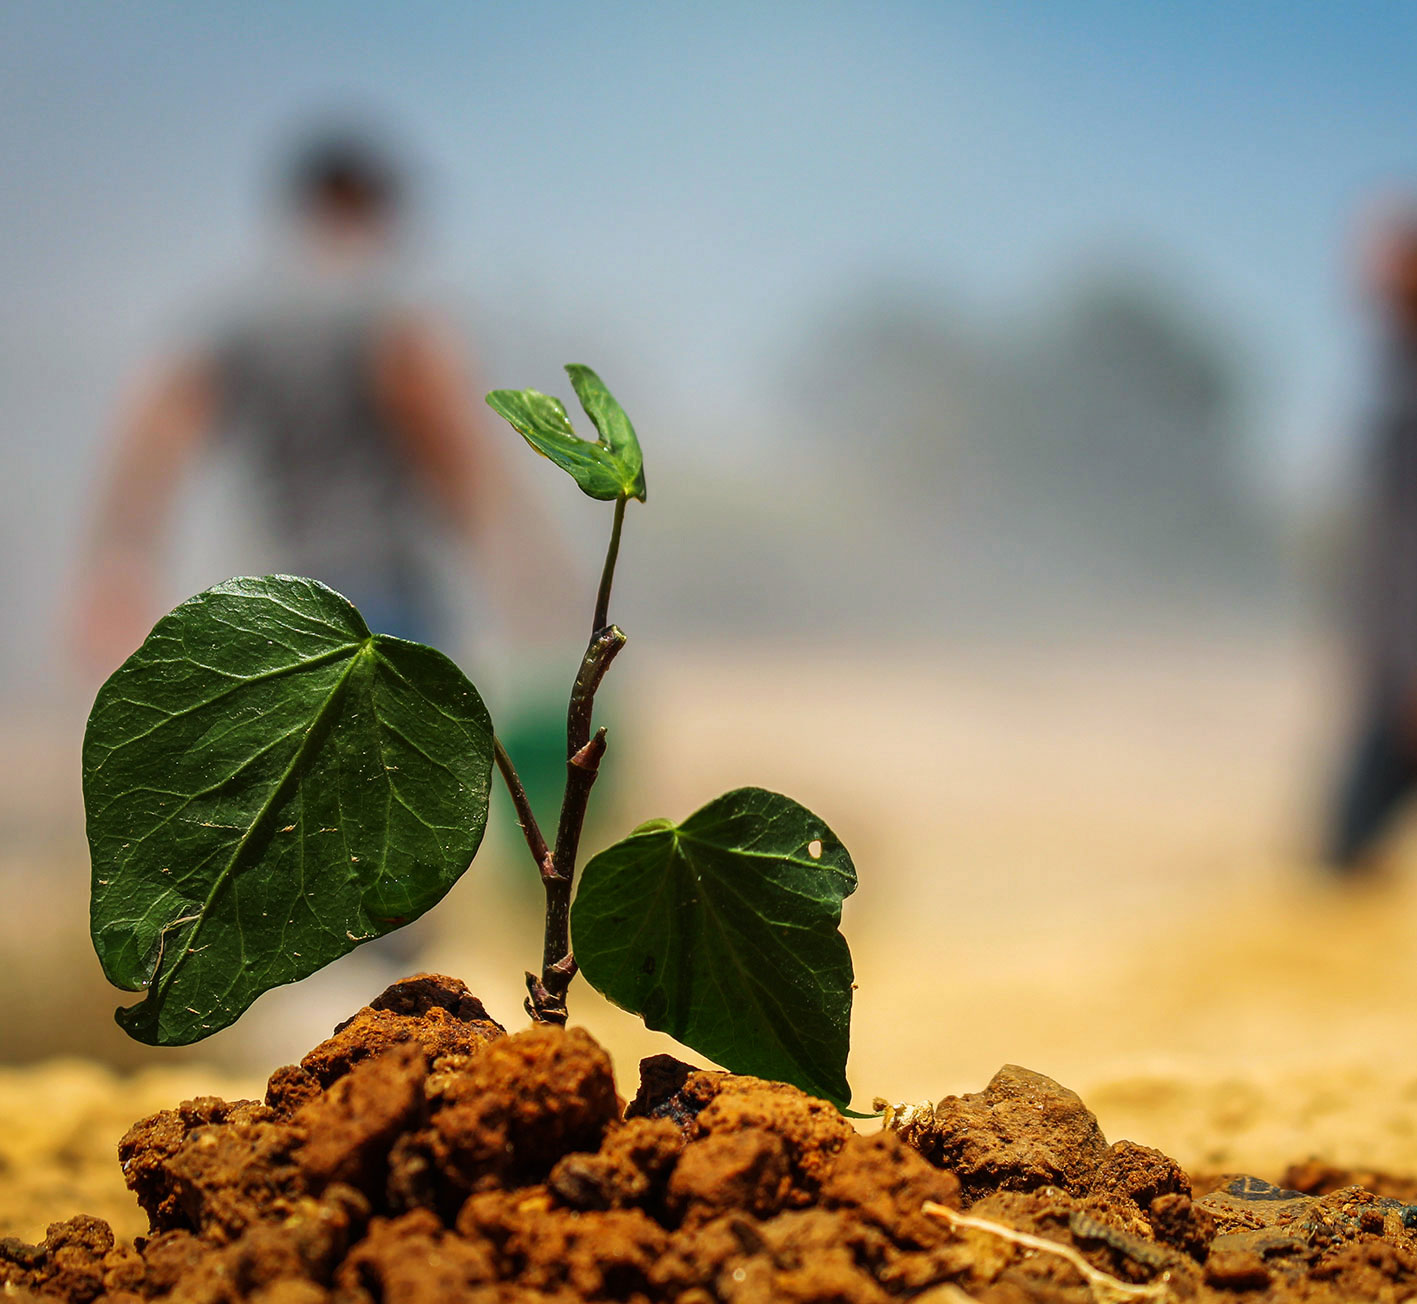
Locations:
(269, 784)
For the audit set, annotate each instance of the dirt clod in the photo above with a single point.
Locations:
(523, 1103)
(671, 1089)
(423, 1156)
(349, 1129)
(811, 1131)
(630, 1169)
(1021, 1132)
(1138, 1174)
(1177, 1222)
(211, 1168)
(69, 1265)
(437, 1013)
(1237, 1268)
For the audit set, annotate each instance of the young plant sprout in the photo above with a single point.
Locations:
(268, 784)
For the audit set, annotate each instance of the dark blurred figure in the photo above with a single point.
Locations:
(351, 403)
(1382, 769)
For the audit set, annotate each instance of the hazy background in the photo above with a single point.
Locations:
(982, 278)
(999, 376)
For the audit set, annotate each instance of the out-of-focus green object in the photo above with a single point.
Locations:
(534, 733)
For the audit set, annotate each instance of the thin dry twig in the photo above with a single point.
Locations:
(1105, 1288)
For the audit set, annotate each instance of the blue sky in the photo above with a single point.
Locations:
(682, 191)
(698, 177)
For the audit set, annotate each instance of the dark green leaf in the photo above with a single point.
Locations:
(610, 468)
(722, 932)
(268, 785)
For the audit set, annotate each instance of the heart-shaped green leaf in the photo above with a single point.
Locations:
(268, 785)
(610, 468)
(722, 932)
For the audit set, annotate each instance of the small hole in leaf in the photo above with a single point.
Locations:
(814, 848)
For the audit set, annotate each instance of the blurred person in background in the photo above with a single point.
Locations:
(351, 404)
(1381, 770)
(354, 408)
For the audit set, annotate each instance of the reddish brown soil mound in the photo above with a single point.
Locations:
(423, 1156)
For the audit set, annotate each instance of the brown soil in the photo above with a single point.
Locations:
(422, 1154)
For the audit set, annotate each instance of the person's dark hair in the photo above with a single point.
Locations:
(345, 175)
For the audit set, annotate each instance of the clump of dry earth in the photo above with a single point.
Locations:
(422, 1154)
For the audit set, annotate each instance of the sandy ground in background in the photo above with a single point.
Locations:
(1087, 864)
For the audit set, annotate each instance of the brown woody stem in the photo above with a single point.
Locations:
(546, 992)
(558, 965)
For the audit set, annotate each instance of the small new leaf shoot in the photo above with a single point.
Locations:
(611, 467)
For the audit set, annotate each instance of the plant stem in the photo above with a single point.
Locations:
(546, 993)
(581, 771)
(607, 574)
(525, 816)
(602, 649)
(547, 1002)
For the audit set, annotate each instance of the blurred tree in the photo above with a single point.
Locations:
(1142, 430)
(1098, 450)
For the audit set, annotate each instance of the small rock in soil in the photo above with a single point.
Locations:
(1021, 1132)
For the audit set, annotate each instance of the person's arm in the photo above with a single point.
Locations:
(425, 394)
(118, 581)
(457, 451)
